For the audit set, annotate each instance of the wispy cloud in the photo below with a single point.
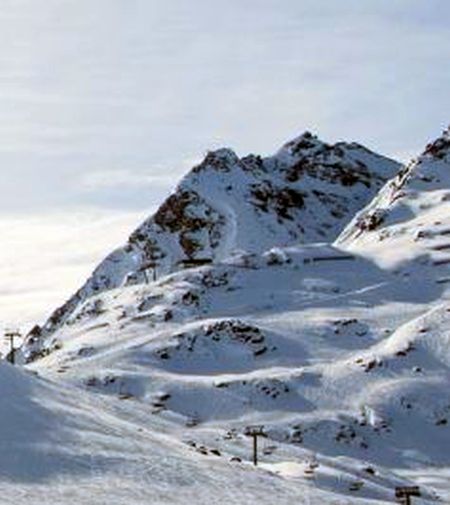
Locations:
(142, 86)
(109, 179)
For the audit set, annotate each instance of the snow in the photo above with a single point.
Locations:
(313, 388)
(146, 391)
(61, 445)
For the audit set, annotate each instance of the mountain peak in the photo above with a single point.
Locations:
(302, 145)
(221, 160)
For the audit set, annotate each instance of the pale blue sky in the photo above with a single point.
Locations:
(96, 88)
(104, 104)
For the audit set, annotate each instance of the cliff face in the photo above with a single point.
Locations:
(306, 192)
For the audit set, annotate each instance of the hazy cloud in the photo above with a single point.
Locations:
(46, 257)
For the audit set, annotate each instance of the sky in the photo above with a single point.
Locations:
(105, 104)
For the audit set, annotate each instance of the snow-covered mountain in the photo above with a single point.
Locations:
(339, 351)
(307, 192)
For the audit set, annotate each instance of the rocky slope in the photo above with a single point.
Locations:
(306, 192)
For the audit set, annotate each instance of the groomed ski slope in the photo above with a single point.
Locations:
(63, 445)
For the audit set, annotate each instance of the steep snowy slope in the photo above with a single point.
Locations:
(307, 191)
(410, 218)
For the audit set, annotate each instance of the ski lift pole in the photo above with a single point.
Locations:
(404, 494)
(255, 449)
(255, 432)
(10, 335)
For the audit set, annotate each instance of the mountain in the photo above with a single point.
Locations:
(307, 192)
(338, 350)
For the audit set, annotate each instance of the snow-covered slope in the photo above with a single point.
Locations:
(344, 364)
(410, 218)
(62, 445)
(340, 353)
(307, 191)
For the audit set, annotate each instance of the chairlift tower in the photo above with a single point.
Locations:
(255, 432)
(404, 494)
(10, 335)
